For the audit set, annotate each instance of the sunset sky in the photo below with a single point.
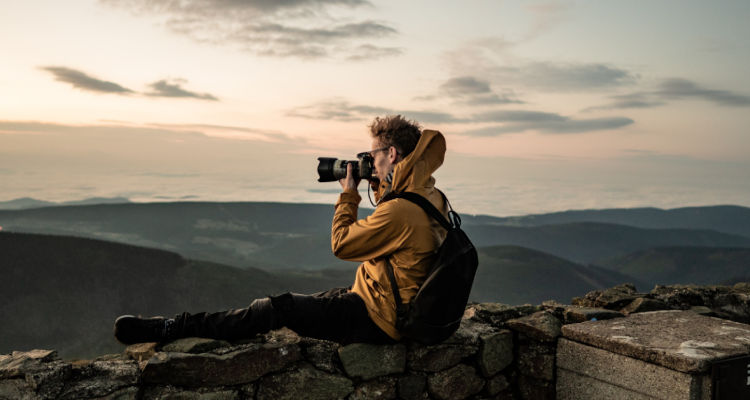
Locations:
(545, 106)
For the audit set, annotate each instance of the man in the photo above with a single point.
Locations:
(404, 160)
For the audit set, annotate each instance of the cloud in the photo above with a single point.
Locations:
(674, 89)
(85, 82)
(629, 101)
(472, 91)
(290, 28)
(677, 88)
(494, 60)
(563, 77)
(550, 124)
(518, 116)
(164, 88)
(342, 110)
(369, 52)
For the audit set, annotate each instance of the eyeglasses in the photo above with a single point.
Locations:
(372, 152)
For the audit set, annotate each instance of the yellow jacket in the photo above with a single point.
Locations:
(397, 228)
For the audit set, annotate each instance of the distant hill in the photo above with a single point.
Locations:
(266, 235)
(589, 242)
(28, 202)
(517, 275)
(65, 292)
(685, 265)
(277, 236)
(724, 218)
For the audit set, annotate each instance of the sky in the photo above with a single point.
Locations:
(545, 106)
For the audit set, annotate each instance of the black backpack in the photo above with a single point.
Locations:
(435, 313)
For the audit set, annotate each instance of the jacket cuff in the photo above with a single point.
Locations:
(349, 196)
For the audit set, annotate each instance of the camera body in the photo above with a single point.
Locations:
(333, 169)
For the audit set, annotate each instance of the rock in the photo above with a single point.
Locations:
(304, 382)
(497, 384)
(13, 389)
(194, 345)
(613, 298)
(128, 393)
(703, 310)
(377, 389)
(534, 389)
(495, 352)
(141, 352)
(367, 361)
(496, 313)
(321, 353)
(243, 364)
(18, 362)
(171, 392)
(541, 326)
(643, 304)
(42, 371)
(537, 361)
(438, 357)
(458, 382)
(573, 314)
(101, 378)
(412, 387)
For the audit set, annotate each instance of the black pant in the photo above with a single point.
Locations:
(337, 315)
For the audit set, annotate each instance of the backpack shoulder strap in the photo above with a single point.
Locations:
(429, 208)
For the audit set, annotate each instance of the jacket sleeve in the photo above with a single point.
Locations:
(381, 233)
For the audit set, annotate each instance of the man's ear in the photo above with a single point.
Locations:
(393, 155)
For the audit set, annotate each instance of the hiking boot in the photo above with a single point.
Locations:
(130, 329)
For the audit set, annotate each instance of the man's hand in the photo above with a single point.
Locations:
(349, 182)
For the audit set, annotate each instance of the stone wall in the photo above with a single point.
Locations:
(500, 352)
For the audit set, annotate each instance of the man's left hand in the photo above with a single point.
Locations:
(349, 182)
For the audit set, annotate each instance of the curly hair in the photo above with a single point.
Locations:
(396, 131)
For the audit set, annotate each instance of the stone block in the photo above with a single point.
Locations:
(496, 384)
(367, 361)
(680, 340)
(376, 389)
(171, 392)
(537, 361)
(322, 354)
(194, 345)
(583, 363)
(241, 365)
(495, 352)
(412, 387)
(643, 304)
(456, 383)
(542, 326)
(438, 357)
(535, 389)
(572, 386)
(304, 382)
(101, 378)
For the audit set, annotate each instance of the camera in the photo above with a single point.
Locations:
(333, 169)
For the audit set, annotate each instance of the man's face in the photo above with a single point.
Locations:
(382, 163)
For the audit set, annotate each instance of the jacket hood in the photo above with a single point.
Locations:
(414, 173)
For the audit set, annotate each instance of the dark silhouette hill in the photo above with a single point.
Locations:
(517, 275)
(722, 218)
(685, 265)
(590, 242)
(65, 292)
(277, 236)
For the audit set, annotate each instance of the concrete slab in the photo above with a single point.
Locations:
(585, 372)
(680, 340)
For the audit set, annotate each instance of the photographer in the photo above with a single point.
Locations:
(398, 230)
